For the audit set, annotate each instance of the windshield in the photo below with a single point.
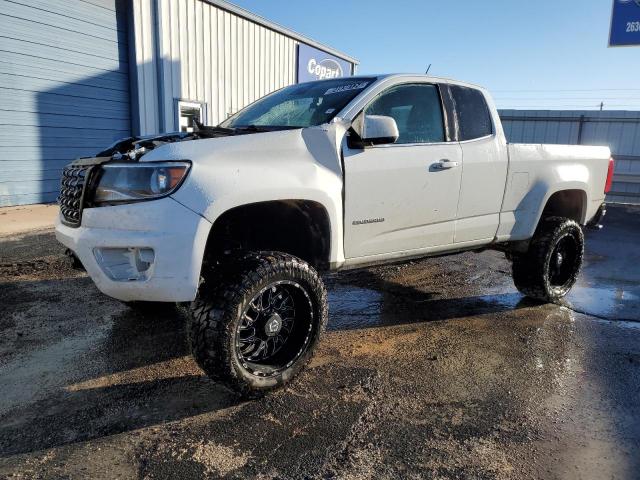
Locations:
(300, 106)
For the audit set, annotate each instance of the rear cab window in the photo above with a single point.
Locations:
(474, 117)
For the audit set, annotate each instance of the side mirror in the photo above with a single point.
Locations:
(379, 130)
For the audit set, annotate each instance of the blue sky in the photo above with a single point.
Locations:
(537, 54)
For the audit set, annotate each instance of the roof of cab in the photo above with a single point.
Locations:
(408, 76)
(427, 77)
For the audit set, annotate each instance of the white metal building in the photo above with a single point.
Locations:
(77, 74)
(210, 53)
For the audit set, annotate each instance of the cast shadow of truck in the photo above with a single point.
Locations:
(138, 372)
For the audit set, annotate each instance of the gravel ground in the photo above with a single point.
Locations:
(434, 369)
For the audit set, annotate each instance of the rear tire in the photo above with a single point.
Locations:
(258, 328)
(550, 267)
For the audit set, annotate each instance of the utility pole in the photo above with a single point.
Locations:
(601, 105)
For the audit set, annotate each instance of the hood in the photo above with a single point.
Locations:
(261, 150)
(236, 170)
(133, 148)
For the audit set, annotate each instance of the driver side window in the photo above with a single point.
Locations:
(417, 110)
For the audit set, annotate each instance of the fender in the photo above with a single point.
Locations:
(230, 172)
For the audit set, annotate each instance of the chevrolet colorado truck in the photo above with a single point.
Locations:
(240, 219)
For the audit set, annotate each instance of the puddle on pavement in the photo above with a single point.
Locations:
(387, 302)
(633, 325)
(353, 307)
(610, 301)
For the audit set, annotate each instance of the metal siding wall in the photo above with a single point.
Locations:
(620, 130)
(146, 67)
(205, 54)
(64, 90)
(251, 61)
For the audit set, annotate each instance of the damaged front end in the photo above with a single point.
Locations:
(132, 148)
(80, 183)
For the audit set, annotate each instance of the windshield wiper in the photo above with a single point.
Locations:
(264, 128)
(209, 131)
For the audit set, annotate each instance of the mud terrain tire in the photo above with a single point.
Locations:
(258, 303)
(550, 267)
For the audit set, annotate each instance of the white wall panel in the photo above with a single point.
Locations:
(146, 67)
(203, 52)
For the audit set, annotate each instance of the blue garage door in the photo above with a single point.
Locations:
(64, 90)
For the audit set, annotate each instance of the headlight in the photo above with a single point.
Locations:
(130, 182)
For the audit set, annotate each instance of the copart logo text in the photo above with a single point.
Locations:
(326, 68)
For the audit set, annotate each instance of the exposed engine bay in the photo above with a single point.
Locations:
(132, 148)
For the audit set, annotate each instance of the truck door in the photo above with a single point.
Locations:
(485, 166)
(403, 196)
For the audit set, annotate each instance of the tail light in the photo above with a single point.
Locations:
(607, 185)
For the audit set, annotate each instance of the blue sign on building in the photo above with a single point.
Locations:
(625, 23)
(314, 64)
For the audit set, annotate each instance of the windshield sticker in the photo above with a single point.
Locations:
(346, 88)
(329, 111)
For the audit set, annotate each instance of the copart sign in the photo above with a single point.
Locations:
(314, 64)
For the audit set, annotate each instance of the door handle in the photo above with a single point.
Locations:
(445, 163)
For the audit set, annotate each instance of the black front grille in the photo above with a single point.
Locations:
(72, 188)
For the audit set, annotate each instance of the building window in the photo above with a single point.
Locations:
(189, 112)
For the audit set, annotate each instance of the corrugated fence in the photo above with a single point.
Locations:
(620, 130)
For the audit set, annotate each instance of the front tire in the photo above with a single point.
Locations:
(256, 326)
(550, 267)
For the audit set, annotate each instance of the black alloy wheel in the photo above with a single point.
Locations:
(551, 265)
(562, 262)
(257, 320)
(275, 328)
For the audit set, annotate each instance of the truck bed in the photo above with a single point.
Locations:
(536, 171)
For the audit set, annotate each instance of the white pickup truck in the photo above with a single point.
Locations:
(342, 173)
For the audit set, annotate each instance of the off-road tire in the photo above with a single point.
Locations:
(532, 270)
(217, 312)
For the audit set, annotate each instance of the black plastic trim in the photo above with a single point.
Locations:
(450, 112)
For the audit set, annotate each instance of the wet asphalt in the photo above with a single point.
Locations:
(434, 369)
